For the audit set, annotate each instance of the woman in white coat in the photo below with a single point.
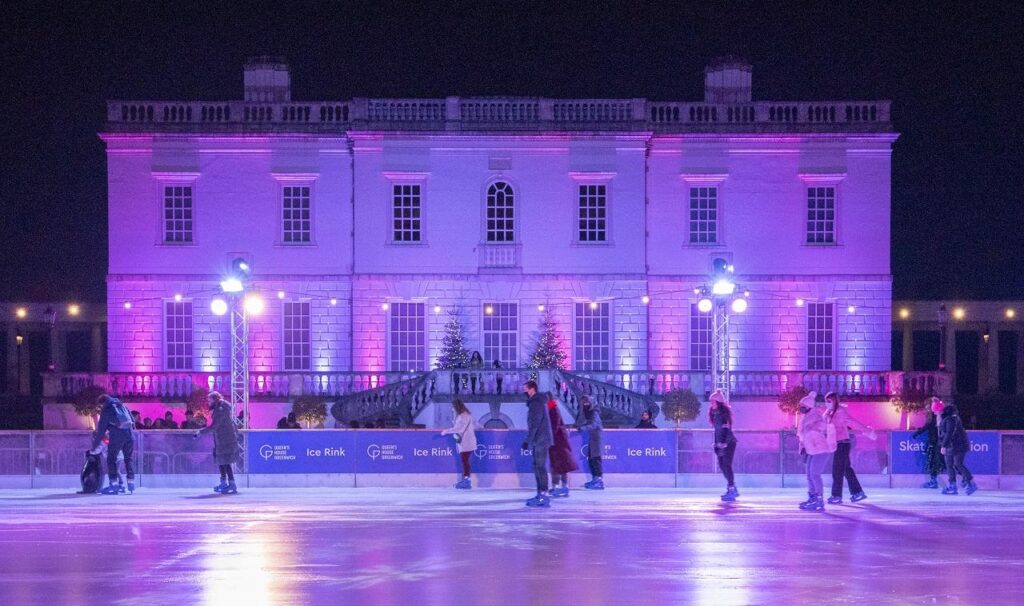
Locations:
(463, 428)
(817, 444)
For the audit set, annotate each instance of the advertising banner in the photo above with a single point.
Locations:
(301, 452)
(909, 454)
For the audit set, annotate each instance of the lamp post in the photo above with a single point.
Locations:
(19, 340)
(240, 305)
(51, 322)
(721, 298)
(943, 319)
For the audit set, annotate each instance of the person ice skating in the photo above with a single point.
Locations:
(538, 439)
(645, 421)
(837, 414)
(814, 441)
(935, 459)
(225, 441)
(465, 439)
(476, 362)
(116, 422)
(953, 444)
(499, 378)
(590, 423)
(560, 453)
(720, 417)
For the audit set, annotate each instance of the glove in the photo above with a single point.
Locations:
(196, 434)
(526, 446)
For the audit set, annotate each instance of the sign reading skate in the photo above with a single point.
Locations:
(301, 452)
(910, 455)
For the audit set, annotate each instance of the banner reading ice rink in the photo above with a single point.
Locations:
(910, 454)
(424, 451)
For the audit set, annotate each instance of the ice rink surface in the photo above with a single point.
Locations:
(430, 546)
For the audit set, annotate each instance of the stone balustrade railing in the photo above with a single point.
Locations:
(489, 381)
(474, 113)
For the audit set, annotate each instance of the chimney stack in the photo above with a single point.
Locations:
(267, 80)
(727, 80)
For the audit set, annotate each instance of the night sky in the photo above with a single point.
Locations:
(955, 79)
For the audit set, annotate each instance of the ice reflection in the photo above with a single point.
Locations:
(719, 569)
(233, 571)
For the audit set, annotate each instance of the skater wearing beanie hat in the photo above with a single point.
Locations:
(814, 441)
(225, 441)
(560, 453)
(841, 467)
(936, 462)
(954, 445)
(720, 417)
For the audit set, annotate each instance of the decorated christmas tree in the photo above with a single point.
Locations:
(453, 350)
(549, 352)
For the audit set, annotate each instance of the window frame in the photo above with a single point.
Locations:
(285, 180)
(583, 179)
(396, 179)
(489, 360)
(165, 342)
(175, 179)
(697, 315)
(609, 362)
(515, 192)
(815, 180)
(832, 330)
(389, 358)
(285, 331)
(708, 180)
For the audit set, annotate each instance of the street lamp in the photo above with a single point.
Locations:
(721, 297)
(51, 321)
(19, 340)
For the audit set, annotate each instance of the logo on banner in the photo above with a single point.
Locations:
(385, 452)
(607, 454)
(493, 452)
(266, 451)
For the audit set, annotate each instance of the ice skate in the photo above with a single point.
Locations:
(464, 484)
(932, 483)
(810, 501)
(231, 489)
(220, 487)
(730, 494)
(836, 500)
(858, 496)
(131, 487)
(817, 505)
(949, 489)
(560, 492)
(971, 487)
(595, 484)
(111, 489)
(120, 488)
(541, 500)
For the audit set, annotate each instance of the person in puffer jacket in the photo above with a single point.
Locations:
(842, 468)
(225, 441)
(813, 434)
(122, 441)
(953, 444)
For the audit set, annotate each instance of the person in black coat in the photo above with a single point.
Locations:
(116, 421)
(538, 439)
(720, 417)
(954, 444)
(645, 421)
(935, 458)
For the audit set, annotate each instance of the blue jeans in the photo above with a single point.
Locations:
(815, 467)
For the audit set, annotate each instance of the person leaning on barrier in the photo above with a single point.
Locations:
(115, 421)
(225, 441)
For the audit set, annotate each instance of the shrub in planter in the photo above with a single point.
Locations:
(681, 405)
(86, 404)
(910, 400)
(789, 400)
(198, 402)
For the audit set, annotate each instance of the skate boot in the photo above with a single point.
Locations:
(949, 489)
(818, 504)
(120, 488)
(111, 489)
(595, 484)
(730, 494)
(221, 487)
(131, 487)
(836, 500)
(231, 489)
(932, 483)
(541, 500)
(559, 492)
(463, 484)
(858, 496)
(971, 487)
(810, 501)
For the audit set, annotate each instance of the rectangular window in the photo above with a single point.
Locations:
(501, 334)
(820, 336)
(701, 326)
(297, 335)
(406, 209)
(703, 215)
(408, 336)
(178, 213)
(593, 336)
(296, 221)
(821, 215)
(178, 335)
(593, 214)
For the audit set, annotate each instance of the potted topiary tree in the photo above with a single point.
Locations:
(909, 400)
(311, 409)
(681, 405)
(789, 402)
(198, 403)
(86, 403)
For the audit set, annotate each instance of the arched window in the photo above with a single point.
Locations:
(500, 213)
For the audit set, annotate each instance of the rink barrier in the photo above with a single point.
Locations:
(409, 457)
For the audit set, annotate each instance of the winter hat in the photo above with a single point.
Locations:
(937, 405)
(717, 396)
(811, 400)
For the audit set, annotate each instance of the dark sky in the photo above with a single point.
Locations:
(955, 79)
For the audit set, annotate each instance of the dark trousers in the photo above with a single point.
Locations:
(465, 462)
(595, 466)
(841, 468)
(121, 444)
(540, 468)
(725, 456)
(936, 462)
(955, 465)
(226, 473)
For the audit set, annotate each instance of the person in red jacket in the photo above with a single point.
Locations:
(560, 453)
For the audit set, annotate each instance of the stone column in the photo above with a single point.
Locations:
(96, 358)
(908, 347)
(988, 361)
(11, 343)
(951, 355)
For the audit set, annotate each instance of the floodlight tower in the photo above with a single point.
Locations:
(240, 305)
(721, 297)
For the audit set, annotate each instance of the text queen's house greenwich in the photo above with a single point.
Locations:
(366, 220)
